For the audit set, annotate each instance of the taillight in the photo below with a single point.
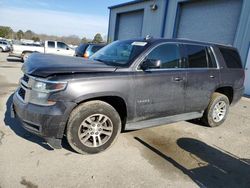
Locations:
(86, 55)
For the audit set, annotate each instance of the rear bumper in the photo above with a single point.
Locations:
(48, 122)
(238, 93)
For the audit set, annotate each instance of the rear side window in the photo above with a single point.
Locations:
(231, 57)
(197, 56)
(51, 44)
(96, 48)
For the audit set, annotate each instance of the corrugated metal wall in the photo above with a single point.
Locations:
(152, 20)
(207, 20)
(129, 25)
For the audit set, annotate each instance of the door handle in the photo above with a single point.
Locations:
(58, 50)
(212, 76)
(178, 79)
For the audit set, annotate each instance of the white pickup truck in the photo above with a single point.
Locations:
(49, 47)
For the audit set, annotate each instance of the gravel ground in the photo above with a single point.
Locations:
(182, 154)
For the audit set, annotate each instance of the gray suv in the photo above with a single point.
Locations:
(127, 85)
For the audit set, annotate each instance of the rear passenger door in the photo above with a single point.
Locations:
(202, 77)
(51, 47)
(160, 92)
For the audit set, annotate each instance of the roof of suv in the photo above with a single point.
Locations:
(180, 40)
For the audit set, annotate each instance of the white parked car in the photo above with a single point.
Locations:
(4, 46)
(49, 47)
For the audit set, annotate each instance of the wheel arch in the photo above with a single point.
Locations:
(226, 90)
(116, 101)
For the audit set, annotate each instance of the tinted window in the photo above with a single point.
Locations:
(51, 44)
(62, 45)
(168, 54)
(93, 49)
(231, 57)
(96, 48)
(196, 56)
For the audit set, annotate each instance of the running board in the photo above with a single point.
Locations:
(162, 121)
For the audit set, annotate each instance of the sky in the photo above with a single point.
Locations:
(83, 18)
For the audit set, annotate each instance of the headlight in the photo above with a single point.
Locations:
(41, 89)
(48, 86)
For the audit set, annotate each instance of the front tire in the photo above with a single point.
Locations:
(217, 110)
(1, 50)
(93, 127)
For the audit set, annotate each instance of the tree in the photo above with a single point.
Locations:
(35, 38)
(19, 34)
(97, 38)
(5, 32)
(84, 40)
(28, 34)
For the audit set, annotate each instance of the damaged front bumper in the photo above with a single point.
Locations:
(48, 122)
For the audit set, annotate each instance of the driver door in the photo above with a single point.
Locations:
(160, 92)
(63, 49)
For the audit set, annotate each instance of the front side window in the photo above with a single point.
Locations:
(62, 45)
(196, 56)
(51, 44)
(169, 55)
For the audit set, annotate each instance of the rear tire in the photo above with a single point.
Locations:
(93, 127)
(217, 110)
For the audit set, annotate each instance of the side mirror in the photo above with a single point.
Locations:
(151, 64)
(67, 48)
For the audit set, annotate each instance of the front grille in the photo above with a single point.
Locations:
(25, 78)
(21, 93)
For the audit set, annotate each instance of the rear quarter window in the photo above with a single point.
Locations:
(231, 57)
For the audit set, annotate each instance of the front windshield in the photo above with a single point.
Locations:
(119, 53)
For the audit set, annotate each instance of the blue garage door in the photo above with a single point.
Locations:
(210, 20)
(129, 25)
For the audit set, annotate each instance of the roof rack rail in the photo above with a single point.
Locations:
(204, 41)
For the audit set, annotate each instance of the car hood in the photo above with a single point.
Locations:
(44, 65)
